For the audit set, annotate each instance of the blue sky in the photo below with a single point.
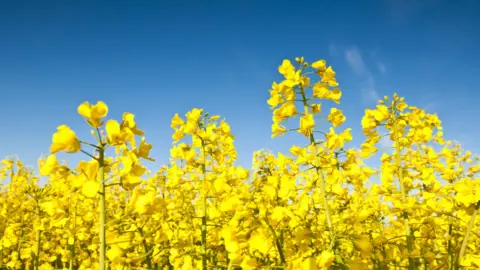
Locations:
(156, 58)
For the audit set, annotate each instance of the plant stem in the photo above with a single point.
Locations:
(204, 215)
(72, 247)
(101, 176)
(148, 257)
(278, 243)
(449, 246)
(37, 241)
(323, 192)
(467, 234)
(398, 160)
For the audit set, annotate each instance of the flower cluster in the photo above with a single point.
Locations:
(319, 206)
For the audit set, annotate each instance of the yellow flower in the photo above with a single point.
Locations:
(93, 113)
(114, 253)
(115, 135)
(65, 140)
(321, 90)
(336, 117)
(249, 263)
(144, 203)
(277, 130)
(325, 259)
(176, 121)
(143, 150)
(178, 135)
(367, 150)
(364, 245)
(90, 189)
(320, 65)
(381, 113)
(309, 264)
(328, 76)
(50, 165)
(275, 99)
(259, 241)
(307, 122)
(336, 141)
(194, 115)
(316, 108)
(286, 67)
(129, 122)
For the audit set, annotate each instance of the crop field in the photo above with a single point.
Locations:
(315, 207)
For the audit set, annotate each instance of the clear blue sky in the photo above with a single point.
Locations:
(155, 58)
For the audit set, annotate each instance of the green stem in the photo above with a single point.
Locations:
(37, 241)
(72, 247)
(278, 243)
(449, 246)
(398, 160)
(101, 183)
(323, 192)
(204, 216)
(21, 240)
(148, 257)
(467, 234)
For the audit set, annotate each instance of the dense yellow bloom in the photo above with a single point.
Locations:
(90, 189)
(325, 259)
(317, 206)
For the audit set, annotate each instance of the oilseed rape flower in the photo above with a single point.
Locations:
(318, 205)
(65, 139)
(93, 113)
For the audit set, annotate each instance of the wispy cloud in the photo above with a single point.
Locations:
(355, 60)
(369, 93)
(381, 67)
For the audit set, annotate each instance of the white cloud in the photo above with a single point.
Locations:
(381, 67)
(369, 94)
(355, 60)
